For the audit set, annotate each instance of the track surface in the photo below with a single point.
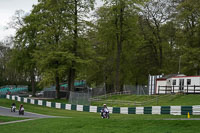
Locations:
(32, 116)
(6, 112)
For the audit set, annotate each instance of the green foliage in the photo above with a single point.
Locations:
(51, 63)
(125, 42)
(189, 21)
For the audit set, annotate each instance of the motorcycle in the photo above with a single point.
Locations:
(13, 108)
(21, 112)
(105, 114)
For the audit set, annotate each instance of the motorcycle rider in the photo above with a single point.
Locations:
(13, 107)
(21, 110)
(104, 112)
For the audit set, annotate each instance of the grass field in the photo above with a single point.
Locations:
(7, 119)
(160, 100)
(154, 100)
(82, 122)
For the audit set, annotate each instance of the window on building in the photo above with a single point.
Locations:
(188, 81)
(174, 82)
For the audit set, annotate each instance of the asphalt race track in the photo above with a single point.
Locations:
(6, 112)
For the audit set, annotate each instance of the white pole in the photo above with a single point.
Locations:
(179, 68)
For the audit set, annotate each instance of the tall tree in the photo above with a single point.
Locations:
(24, 44)
(25, 41)
(52, 29)
(3, 60)
(116, 23)
(155, 14)
(61, 28)
(79, 10)
(188, 16)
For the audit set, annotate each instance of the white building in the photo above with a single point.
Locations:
(178, 84)
(152, 83)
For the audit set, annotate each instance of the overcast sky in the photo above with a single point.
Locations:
(7, 10)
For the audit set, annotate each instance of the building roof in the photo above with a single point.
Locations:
(170, 76)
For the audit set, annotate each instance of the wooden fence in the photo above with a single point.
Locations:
(188, 89)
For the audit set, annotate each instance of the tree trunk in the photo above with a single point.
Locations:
(33, 83)
(57, 87)
(161, 57)
(71, 79)
(119, 46)
(72, 71)
(198, 71)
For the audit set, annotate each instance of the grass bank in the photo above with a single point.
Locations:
(135, 100)
(83, 122)
(7, 119)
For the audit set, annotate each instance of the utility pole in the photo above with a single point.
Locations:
(179, 68)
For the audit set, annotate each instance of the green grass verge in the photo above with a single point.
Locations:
(58, 100)
(95, 125)
(83, 122)
(7, 119)
(155, 100)
(61, 112)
